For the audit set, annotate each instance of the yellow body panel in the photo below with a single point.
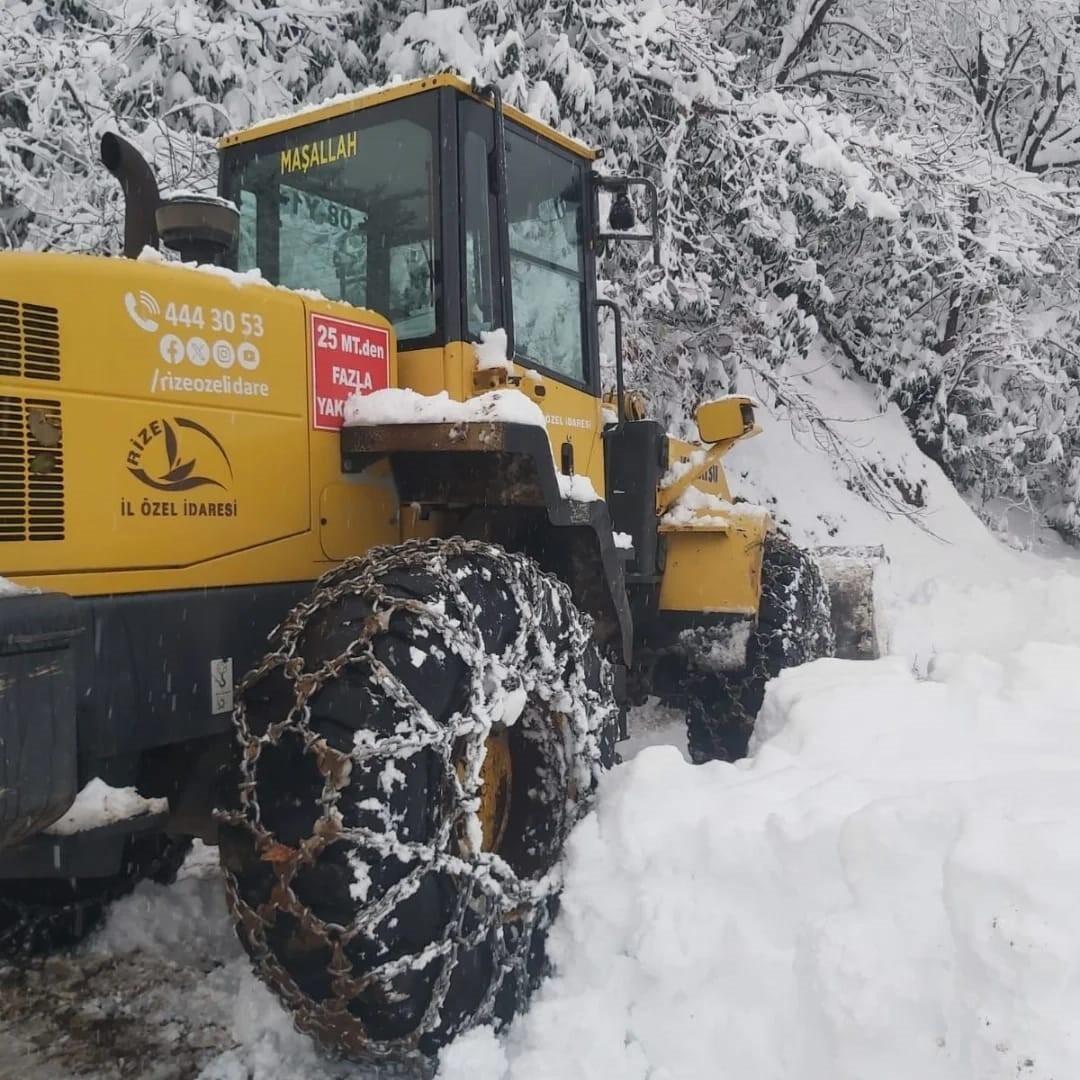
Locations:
(703, 470)
(573, 415)
(715, 570)
(372, 98)
(188, 453)
(714, 563)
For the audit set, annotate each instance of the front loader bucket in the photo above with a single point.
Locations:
(849, 573)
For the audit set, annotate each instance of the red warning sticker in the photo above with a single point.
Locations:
(346, 358)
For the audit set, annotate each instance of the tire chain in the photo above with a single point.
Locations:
(772, 648)
(521, 905)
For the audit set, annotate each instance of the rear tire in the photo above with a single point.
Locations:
(794, 627)
(389, 896)
(42, 915)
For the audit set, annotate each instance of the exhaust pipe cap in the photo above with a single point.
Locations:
(201, 228)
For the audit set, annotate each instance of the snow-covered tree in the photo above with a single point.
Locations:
(890, 175)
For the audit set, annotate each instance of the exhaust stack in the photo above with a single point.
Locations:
(141, 197)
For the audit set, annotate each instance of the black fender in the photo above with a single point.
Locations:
(38, 744)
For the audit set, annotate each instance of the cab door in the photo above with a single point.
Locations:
(549, 299)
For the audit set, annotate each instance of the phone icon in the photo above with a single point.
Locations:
(142, 309)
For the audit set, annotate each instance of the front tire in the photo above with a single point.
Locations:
(794, 626)
(411, 756)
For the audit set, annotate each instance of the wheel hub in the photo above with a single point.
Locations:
(496, 778)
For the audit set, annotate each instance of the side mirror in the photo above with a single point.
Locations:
(725, 419)
(621, 216)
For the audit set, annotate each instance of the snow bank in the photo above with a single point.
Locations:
(98, 804)
(887, 890)
(402, 406)
(950, 582)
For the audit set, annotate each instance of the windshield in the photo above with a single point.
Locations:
(347, 207)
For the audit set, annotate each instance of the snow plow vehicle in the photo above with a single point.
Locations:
(349, 567)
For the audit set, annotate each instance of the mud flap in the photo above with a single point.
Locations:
(850, 572)
(37, 712)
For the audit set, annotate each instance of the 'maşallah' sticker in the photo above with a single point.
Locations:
(346, 358)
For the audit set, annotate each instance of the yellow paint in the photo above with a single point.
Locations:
(356, 513)
(396, 93)
(573, 415)
(143, 413)
(714, 570)
(722, 419)
(707, 474)
(315, 154)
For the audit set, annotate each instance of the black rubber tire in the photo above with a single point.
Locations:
(42, 915)
(345, 849)
(793, 627)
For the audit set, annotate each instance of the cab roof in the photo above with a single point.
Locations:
(366, 99)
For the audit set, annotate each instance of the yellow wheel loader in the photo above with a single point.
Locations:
(377, 645)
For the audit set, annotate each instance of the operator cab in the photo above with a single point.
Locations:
(390, 202)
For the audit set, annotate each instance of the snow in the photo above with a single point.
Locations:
(678, 469)
(885, 890)
(695, 507)
(577, 488)
(402, 406)
(491, 352)
(99, 804)
(9, 588)
(234, 277)
(353, 97)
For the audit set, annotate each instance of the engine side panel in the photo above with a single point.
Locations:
(159, 429)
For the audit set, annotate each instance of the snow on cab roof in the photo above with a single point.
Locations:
(341, 104)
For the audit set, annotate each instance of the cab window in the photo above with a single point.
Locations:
(547, 255)
(347, 207)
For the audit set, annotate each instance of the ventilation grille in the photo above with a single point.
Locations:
(29, 340)
(31, 470)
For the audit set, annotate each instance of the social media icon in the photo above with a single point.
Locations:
(224, 354)
(247, 355)
(198, 352)
(171, 348)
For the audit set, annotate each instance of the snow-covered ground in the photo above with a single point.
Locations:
(885, 889)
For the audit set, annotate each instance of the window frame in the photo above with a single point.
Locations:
(468, 107)
(420, 109)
